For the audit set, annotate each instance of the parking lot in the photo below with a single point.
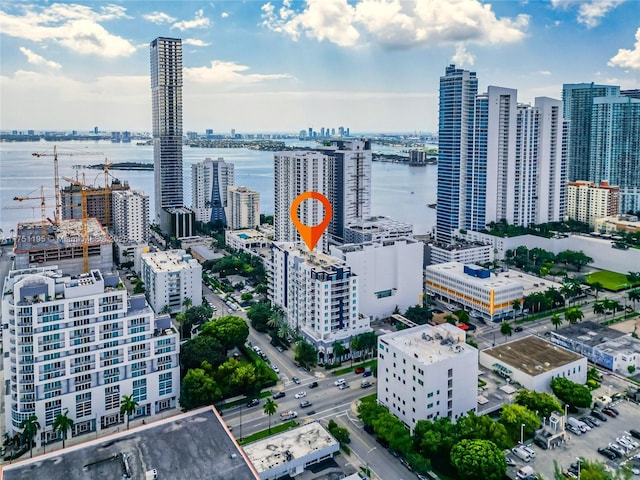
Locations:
(587, 444)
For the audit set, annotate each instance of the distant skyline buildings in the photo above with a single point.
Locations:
(210, 180)
(166, 102)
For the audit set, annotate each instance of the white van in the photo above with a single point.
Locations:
(526, 472)
(521, 454)
(580, 425)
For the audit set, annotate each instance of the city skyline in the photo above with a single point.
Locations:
(74, 66)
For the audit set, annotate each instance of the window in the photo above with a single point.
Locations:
(83, 405)
(140, 390)
(166, 384)
(112, 397)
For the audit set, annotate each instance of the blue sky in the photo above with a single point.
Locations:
(371, 65)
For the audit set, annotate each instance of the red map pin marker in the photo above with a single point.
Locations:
(311, 233)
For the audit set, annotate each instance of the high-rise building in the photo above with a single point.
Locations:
(587, 201)
(458, 89)
(78, 344)
(130, 210)
(319, 295)
(296, 172)
(577, 102)
(615, 147)
(210, 180)
(166, 104)
(243, 208)
(96, 198)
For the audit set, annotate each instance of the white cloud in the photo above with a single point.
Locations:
(195, 42)
(545, 73)
(396, 23)
(35, 59)
(159, 18)
(590, 12)
(199, 21)
(76, 27)
(462, 57)
(628, 58)
(224, 14)
(230, 73)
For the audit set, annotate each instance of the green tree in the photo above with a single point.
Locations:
(270, 408)
(199, 349)
(198, 389)
(259, 315)
(596, 287)
(139, 287)
(506, 330)
(166, 310)
(127, 407)
(229, 330)
(517, 306)
(243, 379)
(475, 459)
(463, 316)
(30, 427)
(305, 353)
(245, 297)
(634, 296)
(573, 315)
(181, 319)
(435, 439)
(599, 308)
(543, 403)
(571, 393)
(197, 316)
(62, 424)
(369, 410)
(338, 351)
(341, 434)
(368, 342)
(418, 314)
(514, 415)
(390, 428)
(483, 427)
(556, 320)
(187, 303)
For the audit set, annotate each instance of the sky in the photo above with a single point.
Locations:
(284, 66)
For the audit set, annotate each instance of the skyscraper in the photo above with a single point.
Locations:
(577, 101)
(458, 89)
(243, 208)
(166, 103)
(209, 183)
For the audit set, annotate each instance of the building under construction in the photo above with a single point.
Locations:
(71, 201)
(38, 244)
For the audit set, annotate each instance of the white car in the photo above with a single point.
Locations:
(275, 368)
(529, 450)
(339, 382)
(301, 394)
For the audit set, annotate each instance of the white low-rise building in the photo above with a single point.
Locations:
(389, 271)
(376, 228)
(319, 295)
(533, 363)
(169, 278)
(489, 294)
(463, 253)
(427, 372)
(78, 344)
(249, 240)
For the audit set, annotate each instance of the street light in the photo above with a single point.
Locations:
(367, 459)
(521, 433)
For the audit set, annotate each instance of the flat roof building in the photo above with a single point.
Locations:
(489, 294)
(427, 372)
(290, 452)
(195, 445)
(533, 363)
(376, 228)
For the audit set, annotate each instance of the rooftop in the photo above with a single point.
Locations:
(456, 271)
(532, 355)
(429, 344)
(621, 345)
(374, 224)
(298, 442)
(67, 233)
(168, 261)
(588, 333)
(195, 445)
(314, 259)
(356, 247)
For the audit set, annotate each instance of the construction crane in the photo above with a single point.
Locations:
(107, 195)
(85, 220)
(56, 176)
(43, 212)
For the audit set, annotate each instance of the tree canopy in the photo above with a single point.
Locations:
(543, 403)
(230, 331)
(475, 459)
(418, 314)
(199, 349)
(198, 389)
(571, 393)
(514, 415)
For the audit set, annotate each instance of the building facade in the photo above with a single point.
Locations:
(210, 181)
(475, 288)
(99, 201)
(243, 207)
(78, 344)
(169, 278)
(458, 89)
(319, 295)
(390, 274)
(427, 372)
(461, 252)
(130, 210)
(166, 106)
(587, 201)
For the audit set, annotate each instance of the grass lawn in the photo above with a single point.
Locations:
(265, 433)
(369, 363)
(612, 281)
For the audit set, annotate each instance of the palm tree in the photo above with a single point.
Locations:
(30, 427)
(612, 305)
(505, 329)
(634, 295)
(463, 316)
(166, 310)
(127, 406)
(181, 318)
(62, 424)
(270, 408)
(573, 315)
(338, 352)
(187, 302)
(556, 320)
(597, 287)
(599, 308)
(517, 306)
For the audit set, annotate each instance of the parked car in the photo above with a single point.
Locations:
(275, 368)
(608, 411)
(406, 464)
(368, 373)
(634, 433)
(301, 394)
(541, 443)
(599, 415)
(607, 453)
(617, 449)
(510, 461)
(280, 349)
(529, 450)
(521, 454)
(253, 403)
(313, 385)
(359, 370)
(624, 444)
(278, 394)
(305, 404)
(631, 441)
(574, 430)
(614, 410)
(296, 380)
(594, 420)
(587, 421)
